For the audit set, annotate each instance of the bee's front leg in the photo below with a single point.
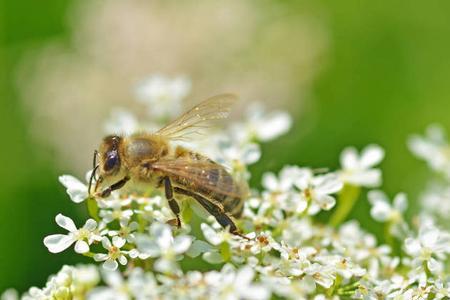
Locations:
(119, 184)
(172, 202)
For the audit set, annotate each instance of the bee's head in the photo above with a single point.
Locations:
(109, 155)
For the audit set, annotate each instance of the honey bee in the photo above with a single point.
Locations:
(153, 159)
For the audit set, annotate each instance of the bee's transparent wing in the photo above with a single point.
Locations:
(199, 117)
(203, 176)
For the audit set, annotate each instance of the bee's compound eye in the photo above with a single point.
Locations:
(112, 161)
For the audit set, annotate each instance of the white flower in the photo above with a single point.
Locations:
(77, 190)
(117, 212)
(317, 190)
(85, 277)
(441, 289)
(436, 200)
(82, 237)
(261, 125)
(433, 148)
(294, 261)
(358, 169)
(114, 253)
(263, 242)
(231, 284)
(230, 152)
(163, 95)
(342, 265)
(431, 246)
(280, 192)
(68, 283)
(126, 230)
(162, 244)
(10, 294)
(116, 289)
(297, 231)
(217, 237)
(121, 122)
(383, 211)
(143, 285)
(322, 275)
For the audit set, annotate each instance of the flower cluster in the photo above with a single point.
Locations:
(285, 252)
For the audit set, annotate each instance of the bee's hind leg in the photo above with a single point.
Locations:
(221, 216)
(172, 202)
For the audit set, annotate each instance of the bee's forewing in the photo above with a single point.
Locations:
(198, 117)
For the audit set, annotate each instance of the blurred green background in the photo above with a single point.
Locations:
(386, 76)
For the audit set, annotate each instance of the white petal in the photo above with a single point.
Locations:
(75, 188)
(325, 202)
(71, 182)
(434, 266)
(275, 124)
(198, 247)
(148, 246)
(58, 242)
(302, 204)
(106, 243)
(211, 235)
(381, 211)
(162, 234)
(255, 292)
(251, 154)
(304, 178)
(212, 257)
(270, 181)
(328, 184)
(429, 236)
(377, 195)
(100, 257)
(81, 247)
(164, 265)
(118, 241)
(371, 156)
(244, 276)
(65, 222)
(349, 159)
(313, 209)
(113, 279)
(90, 224)
(401, 202)
(367, 178)
(123, 260)
(110, 265)
(412, 246)
(181, 244)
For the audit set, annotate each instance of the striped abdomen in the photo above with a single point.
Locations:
(210, 180)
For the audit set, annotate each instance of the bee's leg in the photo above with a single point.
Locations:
(215, 210)
(119, 184)
(172, 202)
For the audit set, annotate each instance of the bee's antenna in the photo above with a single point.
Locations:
(92, 178)
(94, 163)
(94, 171)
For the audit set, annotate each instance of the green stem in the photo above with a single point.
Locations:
(388, 235)
(337, 283)
(89, 254)
(92, 208)
(346, 200)
(141, 219)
